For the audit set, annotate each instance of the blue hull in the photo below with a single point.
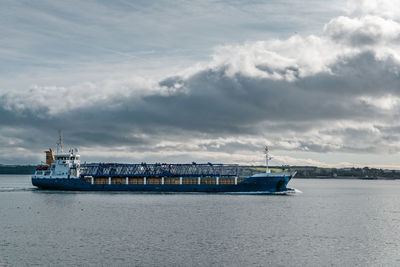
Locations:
(252, 184)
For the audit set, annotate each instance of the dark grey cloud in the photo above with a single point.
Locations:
(211, 103)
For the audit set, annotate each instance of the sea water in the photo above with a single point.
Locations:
(332, 222)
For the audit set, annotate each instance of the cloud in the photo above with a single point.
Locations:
(61, 99)
(364, 31)
(337, 92)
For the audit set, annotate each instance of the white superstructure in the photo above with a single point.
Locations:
(60, 165)
(63, 165)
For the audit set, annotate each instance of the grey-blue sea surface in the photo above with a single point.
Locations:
(331, 223)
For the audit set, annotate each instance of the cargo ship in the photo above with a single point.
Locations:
(63, 171)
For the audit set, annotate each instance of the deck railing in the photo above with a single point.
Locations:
(159, 170)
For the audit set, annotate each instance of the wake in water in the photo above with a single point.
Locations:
(292, 191)
(16, 189)
(287, 192)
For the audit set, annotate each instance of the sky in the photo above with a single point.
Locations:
(204, 81)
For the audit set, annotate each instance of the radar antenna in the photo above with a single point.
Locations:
(59, 143)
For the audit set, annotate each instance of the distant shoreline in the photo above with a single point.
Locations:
(348, 178)
(17, 169)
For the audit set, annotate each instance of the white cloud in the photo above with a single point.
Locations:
(54, 100)
(364, 31)
(388, 102)
(278, 59)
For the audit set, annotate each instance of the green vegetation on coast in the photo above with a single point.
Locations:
(17, 169)
(328, 173)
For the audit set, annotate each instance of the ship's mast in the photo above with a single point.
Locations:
(267, 158)
(59, 143)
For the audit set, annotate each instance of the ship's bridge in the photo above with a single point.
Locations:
(66, 165)
(63, 157)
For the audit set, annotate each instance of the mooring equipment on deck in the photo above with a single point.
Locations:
(159, 170)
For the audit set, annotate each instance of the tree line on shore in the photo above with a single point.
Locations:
(317, 172)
